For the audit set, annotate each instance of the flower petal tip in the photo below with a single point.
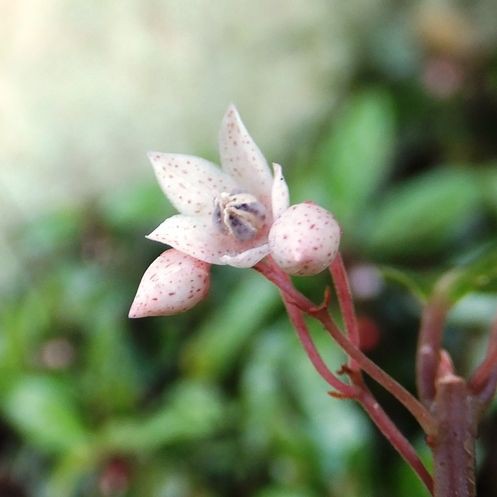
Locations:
(173, 283)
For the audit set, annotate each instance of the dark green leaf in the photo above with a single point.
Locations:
(423, 215)
(356, 155)
(44, 411)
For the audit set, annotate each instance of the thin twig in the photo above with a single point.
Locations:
(396, 438)
(359, 392)
(430, 339)
(283, 282)
(488, 368)
(298, 322)
(342, 287)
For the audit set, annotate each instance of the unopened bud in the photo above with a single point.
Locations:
(173, 283)
(304, 239)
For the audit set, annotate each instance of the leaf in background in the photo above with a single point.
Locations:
(488, 184)
(192, 411)
(111, 378)
(42, 409)
(479, 275)
(216, 344)
(355, 158)
(337, 429)
(283, 491)
(140, 205)
(51, 232)
(424, 214)
(265, 412)
(417, 284)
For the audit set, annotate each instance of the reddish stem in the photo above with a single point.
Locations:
(297, 319)
(453, 446)
(487, 370)
(430, 341)
(282, 280)
(360, 393)
(342, 287)
(395, 437)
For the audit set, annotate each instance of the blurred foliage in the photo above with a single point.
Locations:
(221, 400)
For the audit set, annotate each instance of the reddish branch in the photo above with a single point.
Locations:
(283, 282)
(357, 391)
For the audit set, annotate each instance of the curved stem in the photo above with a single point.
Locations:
(395, 437)
(283, 282)
(410, 402)
(359, 392)
(488, 368)
(298, 322)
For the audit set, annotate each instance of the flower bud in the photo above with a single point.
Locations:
(304, 239)
(173, 283)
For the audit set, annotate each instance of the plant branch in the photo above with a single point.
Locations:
(488, 368)
(359, 392)
(429, 345)
(395, 437)
(297, 318)
(344, 295)
(283, 282)
(453, 446)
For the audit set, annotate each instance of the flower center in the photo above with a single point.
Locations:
(239, 214)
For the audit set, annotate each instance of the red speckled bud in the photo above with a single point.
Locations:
(173, 283)
(304, 239)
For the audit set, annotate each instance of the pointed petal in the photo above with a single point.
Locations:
(173, 283)
(190, 183)
(248, 258)
(280, 196)
(195, 236)
(241, 158)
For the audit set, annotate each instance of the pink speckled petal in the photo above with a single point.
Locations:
(248, 258)
(173, 283)
(241, 158)
(198, 237)
(280, 196)
(304, 239)
(190, 183)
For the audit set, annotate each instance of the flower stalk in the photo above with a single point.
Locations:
(280, 279)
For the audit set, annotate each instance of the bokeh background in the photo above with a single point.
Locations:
(383, 111)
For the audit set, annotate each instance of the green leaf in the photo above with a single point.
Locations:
(111, 381)
(191, 411)
(423, 215)
(138, 205)
(417, 284)
(479, 275)
(488, 185)
(356, 155)
(43, 410)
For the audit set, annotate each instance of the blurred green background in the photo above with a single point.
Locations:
(384, 112)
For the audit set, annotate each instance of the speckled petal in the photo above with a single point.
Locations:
(173, 283)
(304, 239)
(190, 183)
(248, 258)
(241, 158)
(196, 236)
(280, 196)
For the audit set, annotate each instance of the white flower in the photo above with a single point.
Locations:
(224, 214)
(173, 283)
